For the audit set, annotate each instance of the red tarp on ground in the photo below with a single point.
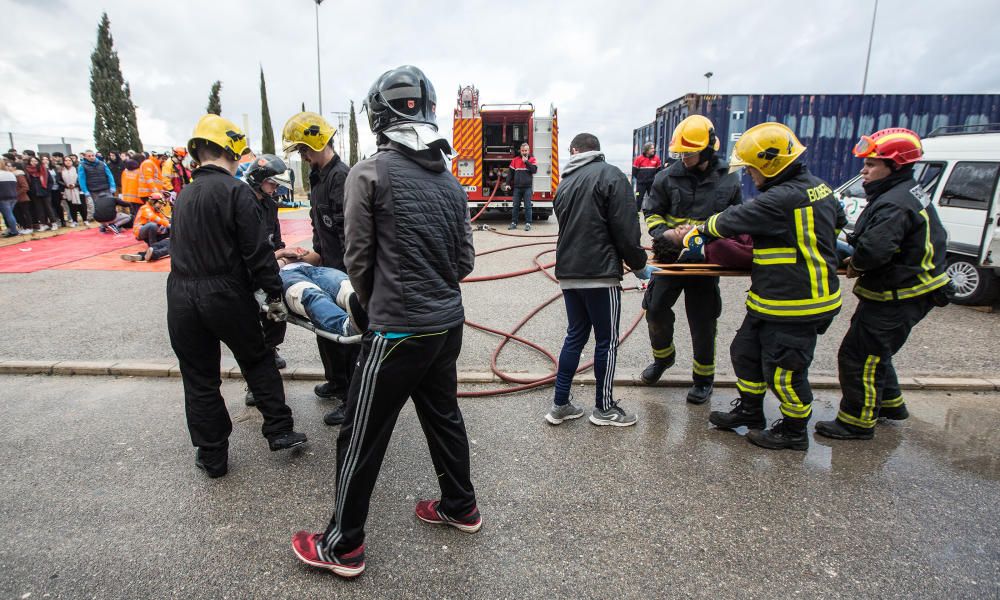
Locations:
(293, 232)
(28, 257)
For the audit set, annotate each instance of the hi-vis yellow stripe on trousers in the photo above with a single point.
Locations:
(703, 370)
(791, 404)
(867, 417)
(751, 387)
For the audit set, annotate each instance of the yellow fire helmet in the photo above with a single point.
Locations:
(221, 132)
(768, 147)
(306, 128)
(693, 134)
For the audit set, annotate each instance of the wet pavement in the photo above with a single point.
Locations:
(99, 498)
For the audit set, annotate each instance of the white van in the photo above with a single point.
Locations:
(959, 170)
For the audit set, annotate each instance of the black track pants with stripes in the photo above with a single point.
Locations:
(867, 378)
(421, 367)
(702, 304)
(777, 355)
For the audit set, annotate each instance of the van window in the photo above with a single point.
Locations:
(928, 175)
(971, 185)
(856, 189)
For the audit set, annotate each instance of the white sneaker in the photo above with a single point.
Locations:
(26, 231)
(53, 227)
(72, 223)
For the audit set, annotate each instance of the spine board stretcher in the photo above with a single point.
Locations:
(701, 269)
(303, 322)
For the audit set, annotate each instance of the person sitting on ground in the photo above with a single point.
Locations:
(323, 295)
(678, 245)
(153, 227)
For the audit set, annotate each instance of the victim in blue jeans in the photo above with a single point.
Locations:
(316, 288)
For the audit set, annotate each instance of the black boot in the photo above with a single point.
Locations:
(327, 391)
(278, 361)
(336, 416)
(784, 434)
(839, 430)
(745, 413)
(700, 393)
(214, 464)
(284, 441)
(895, 413)
(654, 371)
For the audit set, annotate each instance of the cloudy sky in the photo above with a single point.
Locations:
(605, 65)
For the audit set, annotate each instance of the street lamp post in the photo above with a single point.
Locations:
(708, 82)
(871, 37)
(319, 77)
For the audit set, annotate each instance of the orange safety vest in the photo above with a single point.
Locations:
(130, 186)
(147, 214)
(150, 178)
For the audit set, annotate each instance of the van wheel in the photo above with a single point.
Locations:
(969, 283)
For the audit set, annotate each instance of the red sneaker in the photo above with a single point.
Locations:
(427, 511)
(307, 548)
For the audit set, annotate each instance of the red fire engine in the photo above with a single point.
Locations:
(487, 137)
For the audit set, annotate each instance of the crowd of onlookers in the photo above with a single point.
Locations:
(42, 191)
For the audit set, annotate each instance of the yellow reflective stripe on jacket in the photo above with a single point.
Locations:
(704, 370)
(751, 387)
(927, 264)
(806, 235)
(655, 220)
(710, 225)
(775, 256)
(920, 289)
(793, 308)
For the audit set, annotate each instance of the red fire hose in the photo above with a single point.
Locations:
(507, 336)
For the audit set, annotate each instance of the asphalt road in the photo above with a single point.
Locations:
(99, 499)
(101, 315)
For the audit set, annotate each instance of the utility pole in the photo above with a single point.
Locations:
(871, 37)
(708, 82)
(319, 77)
(341, 123)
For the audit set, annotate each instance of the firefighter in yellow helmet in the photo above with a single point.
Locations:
(687, 192)
(219, 256)
(312, 136)
(794, 291)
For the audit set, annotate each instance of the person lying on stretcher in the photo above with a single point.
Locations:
(321, 294)
(683, 244)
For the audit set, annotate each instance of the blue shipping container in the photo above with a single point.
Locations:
(827, 124)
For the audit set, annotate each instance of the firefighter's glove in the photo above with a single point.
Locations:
(694, 247)
(276, 311)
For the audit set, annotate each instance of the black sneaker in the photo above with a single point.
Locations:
(742, 415)
(249, 400)
(654, 371)
(839, 430)
(336, 416)
(284, 441)
(278, 361)
(699, 393)
(894, 413)
(780, 436)
(212, 468)
(327, 391)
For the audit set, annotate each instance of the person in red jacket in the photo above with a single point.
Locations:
(522, 169)
(644, 170)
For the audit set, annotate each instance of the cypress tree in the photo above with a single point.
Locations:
(267, 132)
(306, 170)
(115, 125)
(353, 137)
(214, 103)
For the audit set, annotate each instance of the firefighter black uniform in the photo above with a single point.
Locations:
(794, 295)
(218, 258)
(899, 250)
(686, 196)
(274, 331)
(326, 198)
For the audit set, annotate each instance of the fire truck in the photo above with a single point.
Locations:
(487, 137)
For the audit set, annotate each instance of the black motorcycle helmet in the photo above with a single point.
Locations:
(263, 168)
(402, 95)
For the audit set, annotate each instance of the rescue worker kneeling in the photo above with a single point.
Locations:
(794, 290)
(220, 257)
(899, 256)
